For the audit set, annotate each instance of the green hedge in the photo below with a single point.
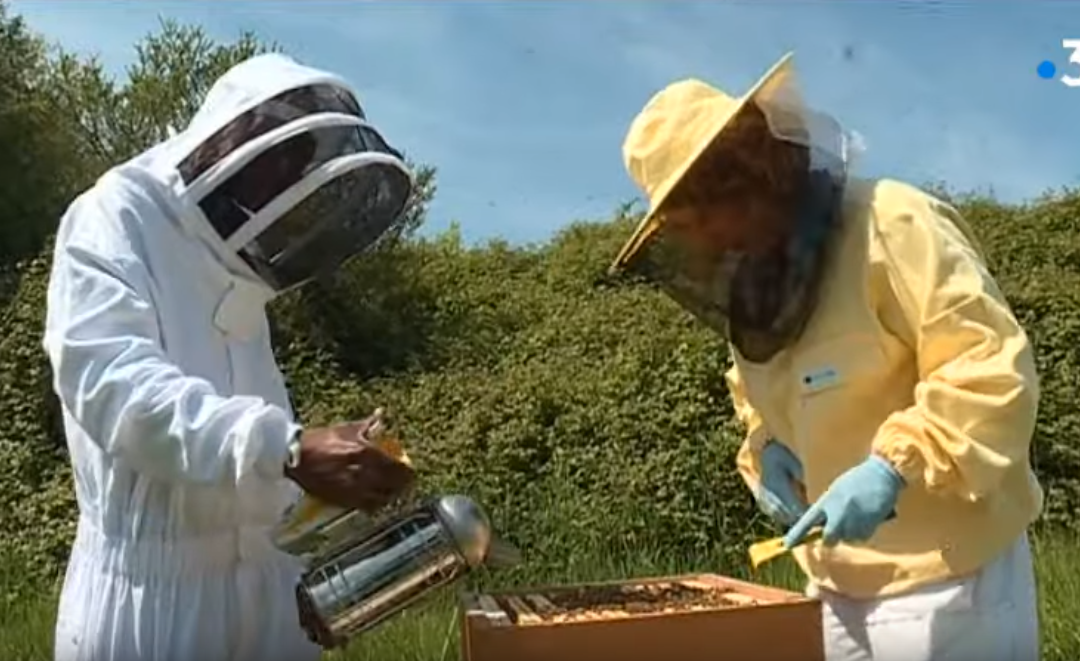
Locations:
(583, 412)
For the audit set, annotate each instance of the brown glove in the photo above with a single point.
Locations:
(340, 466)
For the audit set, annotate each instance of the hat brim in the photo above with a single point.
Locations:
(654, 219)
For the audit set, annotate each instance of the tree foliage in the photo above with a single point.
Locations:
(36, 172)
(582, 411)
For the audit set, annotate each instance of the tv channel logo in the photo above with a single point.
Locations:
(1069, 75)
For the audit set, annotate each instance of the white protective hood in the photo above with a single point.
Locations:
(241, 89)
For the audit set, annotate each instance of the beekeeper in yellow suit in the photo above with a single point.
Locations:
(877, 367)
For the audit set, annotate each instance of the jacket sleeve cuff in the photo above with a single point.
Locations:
(271, 434)
(901, 455)
(756, 440)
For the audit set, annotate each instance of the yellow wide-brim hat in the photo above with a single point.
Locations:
(670, 134)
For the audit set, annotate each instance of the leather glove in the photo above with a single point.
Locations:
(776, 494)
(853, 506)
(340, 466)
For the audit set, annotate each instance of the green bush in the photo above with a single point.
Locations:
(589, 415)
(536, 385)
(528, 378)
(1035, 254)
(37, 504)
(532, 373)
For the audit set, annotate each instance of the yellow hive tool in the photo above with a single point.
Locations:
(771, 549)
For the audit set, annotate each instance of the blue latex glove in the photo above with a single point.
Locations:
(776, 494)
(853, 506)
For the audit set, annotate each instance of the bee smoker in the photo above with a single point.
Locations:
(354, 586)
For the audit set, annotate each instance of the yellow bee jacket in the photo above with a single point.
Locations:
(913, 354)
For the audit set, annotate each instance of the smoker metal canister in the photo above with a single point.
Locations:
(399, 562)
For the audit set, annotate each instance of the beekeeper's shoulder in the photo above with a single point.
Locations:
(903, 217)
(108, 218)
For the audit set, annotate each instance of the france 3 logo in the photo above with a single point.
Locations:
(1070, 74)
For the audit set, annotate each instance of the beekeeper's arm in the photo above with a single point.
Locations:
(748, 460)
(111, 373)
(976, 400)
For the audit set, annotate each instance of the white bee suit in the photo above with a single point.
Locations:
(176, 414)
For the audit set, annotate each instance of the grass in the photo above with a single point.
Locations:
(431, 633)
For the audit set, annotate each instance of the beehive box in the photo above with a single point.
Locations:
(699, 617)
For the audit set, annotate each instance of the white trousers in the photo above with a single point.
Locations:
(991, 615)
(223, 597)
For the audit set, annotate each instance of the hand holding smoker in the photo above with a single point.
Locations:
(363, 568)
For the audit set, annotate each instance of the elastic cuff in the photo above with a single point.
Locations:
(908, 465)
(276, 431)
(758, 439)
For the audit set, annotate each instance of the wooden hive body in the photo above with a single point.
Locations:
(731, 620)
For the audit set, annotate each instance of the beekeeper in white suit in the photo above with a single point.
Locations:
(184, 445)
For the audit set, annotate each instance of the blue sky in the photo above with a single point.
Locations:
(523, 105)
